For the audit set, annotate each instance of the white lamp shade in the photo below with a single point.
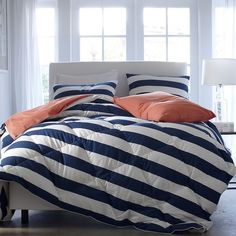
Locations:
(219, 72)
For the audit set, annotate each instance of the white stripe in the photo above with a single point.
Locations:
(114, 165)
(189, 147)
(139, 150)
(115, 142)
(32, 177)
(195, 131)
(118, 191)
(82, 201)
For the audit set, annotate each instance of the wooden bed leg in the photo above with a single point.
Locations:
(24, 217)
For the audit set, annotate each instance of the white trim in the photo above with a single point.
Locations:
(63, 30)
(5, 97)
(3, 72)
(166, 3)
(205, 48)
(46, 3)
(194, 75)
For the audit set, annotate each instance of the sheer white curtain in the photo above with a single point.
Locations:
(24, 70)
(224, 45)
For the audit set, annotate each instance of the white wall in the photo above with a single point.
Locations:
(4, 96)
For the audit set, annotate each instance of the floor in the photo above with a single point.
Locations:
(62, 223)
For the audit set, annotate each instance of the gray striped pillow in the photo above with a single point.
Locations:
(139, 84)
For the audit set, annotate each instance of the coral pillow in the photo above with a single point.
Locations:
(161, 106)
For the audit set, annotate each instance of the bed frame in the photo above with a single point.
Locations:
(22, 199)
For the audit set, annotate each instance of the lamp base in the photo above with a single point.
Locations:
(220, 105)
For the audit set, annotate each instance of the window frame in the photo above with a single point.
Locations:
(67, 42)
(193, 6)
(75, 5)
(103, 36)
(49, 4)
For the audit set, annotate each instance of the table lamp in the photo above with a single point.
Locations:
(218, 72)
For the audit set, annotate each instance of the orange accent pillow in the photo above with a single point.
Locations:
(21, 121)
(161, 106)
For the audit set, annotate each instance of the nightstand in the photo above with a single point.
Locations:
(232, 184)
(228, 133)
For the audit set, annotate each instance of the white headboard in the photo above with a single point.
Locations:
(135, 67)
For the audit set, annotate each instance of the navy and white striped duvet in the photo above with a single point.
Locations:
(162, 177)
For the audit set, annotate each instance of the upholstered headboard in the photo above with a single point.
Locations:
(133, 67)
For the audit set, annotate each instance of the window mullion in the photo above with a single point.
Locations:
(103, 36)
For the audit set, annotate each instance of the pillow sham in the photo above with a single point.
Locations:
(106, 88)
(163, 107)
(139, 84)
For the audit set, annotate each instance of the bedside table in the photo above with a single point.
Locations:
(233, 181)
(228, 133)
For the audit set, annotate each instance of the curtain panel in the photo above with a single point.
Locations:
(24, 70)
(224, 45)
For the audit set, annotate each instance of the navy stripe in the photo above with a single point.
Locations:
(196, 126)
(99, 100)
(157, 145)
(100, 108)
(146, 141)
(151, 143)
(78, 92)
(135, 161)
(161, 83)
(54, 200)
(87, 191)
(209, 128)
(104, 174)
(7, 140)
(215, 132)
(121, 122)
(183, 135)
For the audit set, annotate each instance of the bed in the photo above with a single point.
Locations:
(172, 215)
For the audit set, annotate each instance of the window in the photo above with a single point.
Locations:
(224, 46)
(166, 34)
(45, 17)
(224, 37)
(102, 34)
(94, 30)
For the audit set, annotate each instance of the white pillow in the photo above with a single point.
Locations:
(87, 78)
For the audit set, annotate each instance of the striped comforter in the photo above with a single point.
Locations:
(99, 161)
